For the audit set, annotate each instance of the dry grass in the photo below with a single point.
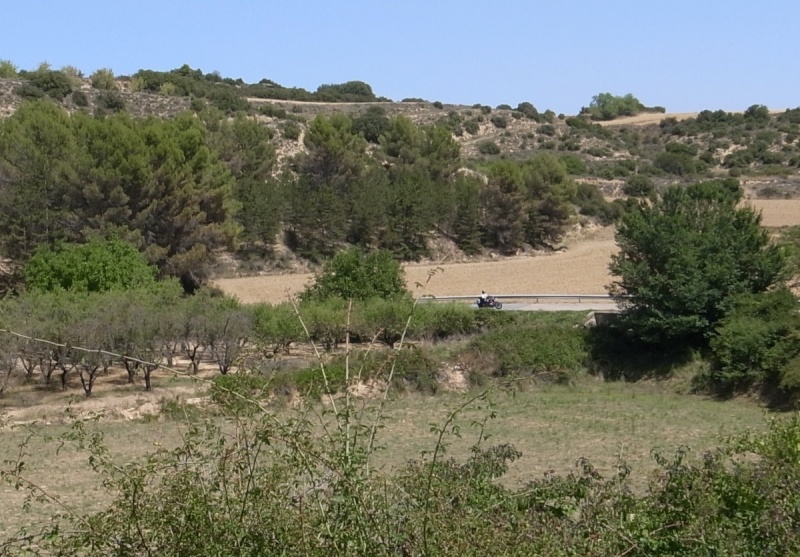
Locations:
(553, 426)
(581, 269)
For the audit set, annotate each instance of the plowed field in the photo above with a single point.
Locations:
(581, 269)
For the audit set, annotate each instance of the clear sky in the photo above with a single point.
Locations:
(685, 55)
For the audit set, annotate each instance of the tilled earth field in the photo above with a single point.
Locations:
(581, 269)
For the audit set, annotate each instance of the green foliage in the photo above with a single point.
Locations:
(109, 101)
(488, 147)
(55, 84)
(606, 106)
(96, 266)
(591, 203)
(351, 91)
(7, 69)
(353, 274)
(534, 350)
(103, 79)
(684, 259)
(755, 343)
(276, 328)
(440, 321)
(639, 185)
(499, 121)
(739, 500)
(80, 99)
(237, 394)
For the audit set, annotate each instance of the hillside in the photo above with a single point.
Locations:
(299, 175)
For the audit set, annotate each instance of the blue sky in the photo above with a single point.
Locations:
(684, 55)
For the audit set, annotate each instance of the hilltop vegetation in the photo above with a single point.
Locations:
(359, 170)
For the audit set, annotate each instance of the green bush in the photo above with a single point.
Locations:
(55, 84)
(80, 99)
(326, 321)
(354, 274)
(755, 342)
(110, 101)
(7, 69)
(29, 91)
(291, 131)
(591, 203)
(488, 147)
(471, 126)
(520, 351)
(276, 327)
(639, 185)
(238, 394)
(96, 266)
(437, 321)
(574, 165)
(385, 318)
(499, 121)
(103, 79)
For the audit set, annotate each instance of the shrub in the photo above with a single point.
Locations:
(488, 147)
(79, 99)
(103, 79)
(386, 318)
(354, 274)
(110, 100)
(471, 126)
(574, 165)
(326, 321)
(591, 203)
(639, 185)
(291, 131)
(96, 266)
(29, 91)
(56, 85)
(238, 394)
(755, 342)
(276, 327)
(499, 121)
(7, 69)
(556, 351)
(436, 321)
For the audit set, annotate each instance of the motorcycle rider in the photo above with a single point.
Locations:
(483, 299)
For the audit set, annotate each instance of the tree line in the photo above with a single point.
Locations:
(180, 189)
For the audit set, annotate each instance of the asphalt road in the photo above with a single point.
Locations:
(561, 306)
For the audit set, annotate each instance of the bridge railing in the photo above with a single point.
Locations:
(535, 297)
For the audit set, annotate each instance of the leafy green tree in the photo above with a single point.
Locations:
(684, 258)
(96, 266)
(354, 274)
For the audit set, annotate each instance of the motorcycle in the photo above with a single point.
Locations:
(489, 302)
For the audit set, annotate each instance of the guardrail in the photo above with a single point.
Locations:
(536, 297)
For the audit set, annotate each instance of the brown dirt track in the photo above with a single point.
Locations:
(581, 269)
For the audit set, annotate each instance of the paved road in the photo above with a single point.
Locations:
(560, 306)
